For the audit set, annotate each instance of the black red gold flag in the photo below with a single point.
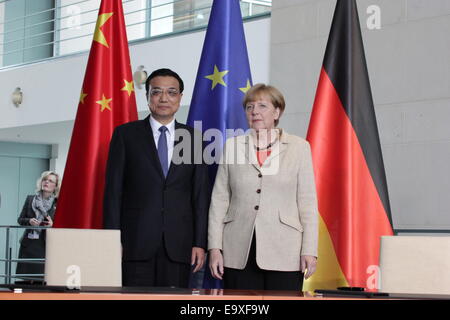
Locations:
(348, 164)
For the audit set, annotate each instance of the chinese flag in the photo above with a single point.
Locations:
(348, 164)
(107, 99)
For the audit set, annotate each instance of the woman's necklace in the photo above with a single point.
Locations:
(265, 148)
(268, 146)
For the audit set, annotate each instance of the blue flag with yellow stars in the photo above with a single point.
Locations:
(223, 75)
(223, 78)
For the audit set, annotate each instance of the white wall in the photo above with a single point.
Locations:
(51, 89)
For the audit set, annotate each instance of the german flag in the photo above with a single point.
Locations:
(351, 183)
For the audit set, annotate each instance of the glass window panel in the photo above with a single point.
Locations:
(2, 30)
(28, 28)
(78, 21)
(135, 18)
(161, 17)
(77, 24)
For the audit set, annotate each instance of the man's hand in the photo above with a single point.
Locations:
(198, 258)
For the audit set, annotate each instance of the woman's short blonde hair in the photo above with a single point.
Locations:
(260, 89)
(44, 175)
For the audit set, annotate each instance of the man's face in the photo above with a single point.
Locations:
(164, 98)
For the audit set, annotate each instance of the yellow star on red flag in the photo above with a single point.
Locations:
(104, 103)
(129, 87)
(98, 34)
(82, 96)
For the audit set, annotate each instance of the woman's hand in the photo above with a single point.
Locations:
(34, 222)
(308, 263)
(49, 222)
(216, 263)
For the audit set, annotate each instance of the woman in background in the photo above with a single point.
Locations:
(38, 210)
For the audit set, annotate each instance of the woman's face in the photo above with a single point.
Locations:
(261, 114)
(49, 183)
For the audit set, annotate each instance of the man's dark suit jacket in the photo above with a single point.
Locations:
(149, 208)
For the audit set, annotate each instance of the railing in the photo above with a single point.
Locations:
(61, 27)
(8, 258)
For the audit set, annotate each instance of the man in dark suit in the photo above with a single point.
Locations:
(159, 204)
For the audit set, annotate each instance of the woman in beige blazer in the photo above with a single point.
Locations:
(263, 225)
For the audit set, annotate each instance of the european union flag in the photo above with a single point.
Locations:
(223, 78)
(223, 75)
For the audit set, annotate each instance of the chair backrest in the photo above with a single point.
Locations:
(415, 264)
(83, 257)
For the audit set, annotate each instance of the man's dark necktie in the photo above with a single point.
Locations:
(162, 150)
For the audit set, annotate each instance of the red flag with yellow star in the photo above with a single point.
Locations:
(107, 100)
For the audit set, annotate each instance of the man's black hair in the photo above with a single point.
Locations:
(164, 73)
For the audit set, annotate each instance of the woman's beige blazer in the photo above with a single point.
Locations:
(276, 201)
